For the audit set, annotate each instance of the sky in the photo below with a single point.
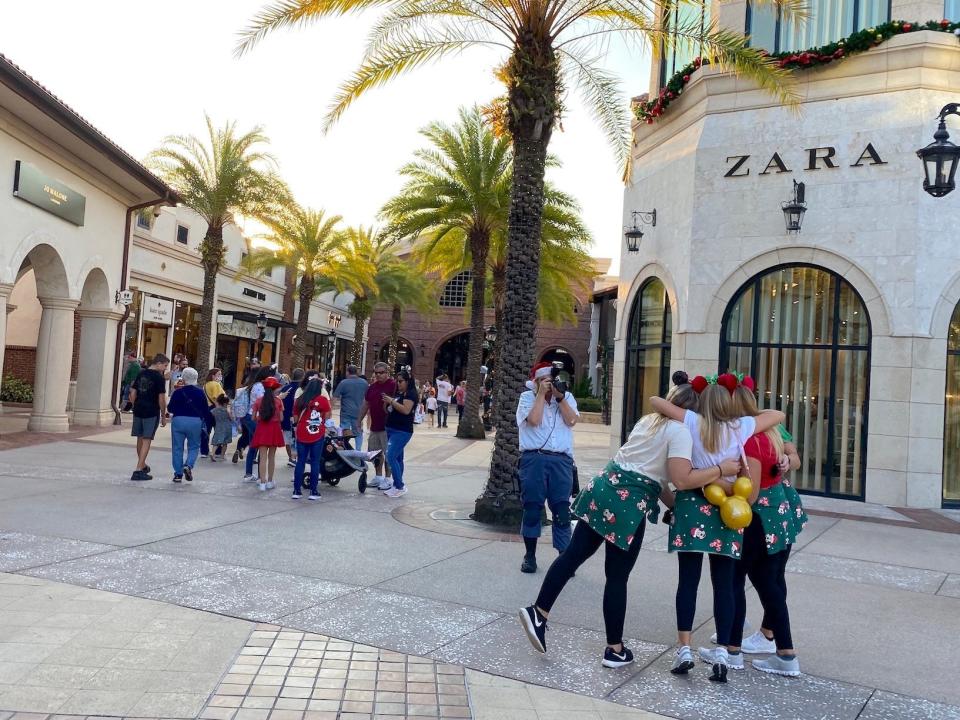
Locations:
(139, 71)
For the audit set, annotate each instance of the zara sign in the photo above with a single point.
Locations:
(817, 158)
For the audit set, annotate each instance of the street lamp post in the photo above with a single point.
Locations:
(262, 328)
(940, 157)
(331, 352)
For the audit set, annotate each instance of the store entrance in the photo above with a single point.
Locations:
(154, 340)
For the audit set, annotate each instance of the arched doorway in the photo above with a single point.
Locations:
(404, 354)
(95, 357)
(649, 333)
(803, 333)
(951, 416)
(451, 357)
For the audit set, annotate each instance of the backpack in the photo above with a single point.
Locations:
(241, 403)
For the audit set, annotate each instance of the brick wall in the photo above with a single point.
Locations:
(21, 362)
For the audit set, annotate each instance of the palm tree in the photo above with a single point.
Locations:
(389, 280)
(549, 44)
(220, 177)
(457, 192)
(307, 243)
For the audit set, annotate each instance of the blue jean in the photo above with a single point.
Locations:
(350, 421)
(250, 424)
(308, 452)
(442, 409)
(546, 478)
(396, 441)
(185, 429)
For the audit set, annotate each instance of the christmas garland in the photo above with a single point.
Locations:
(861, 41)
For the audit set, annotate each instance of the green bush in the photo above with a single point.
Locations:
(589, 404)
(583, 387)
(16, 390)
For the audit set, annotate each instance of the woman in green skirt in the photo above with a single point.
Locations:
(613, 509)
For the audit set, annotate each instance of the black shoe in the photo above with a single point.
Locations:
(139, 475)
(535, 627)
(719, 673)
(177, 478)
(613, 659)
(529, 564)
(146, 469)
(188, 473)
(236, 456)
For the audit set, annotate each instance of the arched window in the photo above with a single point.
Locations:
(649, 331)
(455, 291)
(803, 333)
(951, 419)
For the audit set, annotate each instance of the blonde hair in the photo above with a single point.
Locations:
(716, 411)
(683, 396)
(745, 403)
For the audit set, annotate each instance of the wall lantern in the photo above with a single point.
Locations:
(491, 334)
(423, 350)
(634, 234)
(793, 210)
(262, 321)
(940, 157)
(376, 346)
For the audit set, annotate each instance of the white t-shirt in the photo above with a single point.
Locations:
(552, 434)
(431, 403)
(647, 449)
(733, 436)
(443, 391)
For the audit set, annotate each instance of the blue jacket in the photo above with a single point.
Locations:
(291, 390)
(190, 401)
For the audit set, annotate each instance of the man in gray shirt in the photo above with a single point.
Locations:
(351, 391)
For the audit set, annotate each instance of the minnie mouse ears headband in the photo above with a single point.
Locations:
(729, 380)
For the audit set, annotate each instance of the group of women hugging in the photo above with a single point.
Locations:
(705, 433)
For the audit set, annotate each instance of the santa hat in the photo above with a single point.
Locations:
(271, 382)
(540, 370)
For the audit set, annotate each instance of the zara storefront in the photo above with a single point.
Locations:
(851, 326)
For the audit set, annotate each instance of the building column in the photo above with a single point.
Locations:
(92, 403)
(5, 308)
(54, 357)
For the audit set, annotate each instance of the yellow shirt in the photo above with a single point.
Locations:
(213, 389)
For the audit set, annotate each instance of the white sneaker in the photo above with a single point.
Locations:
(371, 454)
(315, 497)
(261, 486)
(713, 655)
(395, 492)
(270, 485)
(291, 463)
(385, 484)
(757, 644)
(746, 631)
(249, 478)
(779, 666)
(682, 661)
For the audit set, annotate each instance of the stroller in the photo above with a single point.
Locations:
(335, 466)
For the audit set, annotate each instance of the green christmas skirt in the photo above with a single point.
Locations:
(776, 514)
(797, 514)
(616, 502)
(697, 527)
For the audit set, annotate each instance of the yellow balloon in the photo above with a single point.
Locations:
(715, 494)
(736, 513)
(742, 487)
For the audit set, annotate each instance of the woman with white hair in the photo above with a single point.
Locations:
(188, 406)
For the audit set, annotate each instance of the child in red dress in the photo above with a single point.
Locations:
(267, 412)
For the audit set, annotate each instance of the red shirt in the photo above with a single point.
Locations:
(760, 448)
(460, 394)
(277, 410)
(310, 424)
(378, 416)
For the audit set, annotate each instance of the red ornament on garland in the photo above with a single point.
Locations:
(686, 78)
(907, 27)
(944, 23)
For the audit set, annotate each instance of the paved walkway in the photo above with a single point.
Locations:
(869, 588)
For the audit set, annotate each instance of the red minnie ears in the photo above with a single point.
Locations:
(699, 384)
(729, 381)
(748, 383)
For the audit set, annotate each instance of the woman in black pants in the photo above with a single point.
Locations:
(613, 509)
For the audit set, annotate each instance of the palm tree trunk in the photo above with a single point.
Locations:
(533, 105)
(361, 312)
(499, 303)
(307, 285)
(211, 258)
(470, 426)
(396, 318)
(286, 344)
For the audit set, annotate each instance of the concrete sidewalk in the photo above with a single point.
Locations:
(413, 576)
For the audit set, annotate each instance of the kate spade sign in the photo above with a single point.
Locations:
(37, 188)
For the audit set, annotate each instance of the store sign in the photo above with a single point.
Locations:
(157, 310)
(36, 188)
(818, 158)
(244, 329)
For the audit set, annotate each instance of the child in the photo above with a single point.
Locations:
(223, 427)
(267, 412)
(432, 406)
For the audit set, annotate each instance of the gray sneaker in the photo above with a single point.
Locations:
(714, 655)
(682, 661)
(779, 666)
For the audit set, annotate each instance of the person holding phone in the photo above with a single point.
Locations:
(399, 407)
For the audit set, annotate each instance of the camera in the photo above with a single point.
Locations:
(559, 385)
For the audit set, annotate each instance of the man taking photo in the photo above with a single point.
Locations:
(545, 418)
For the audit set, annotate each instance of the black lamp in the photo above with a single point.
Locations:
(262, 321)
(491, 334)
(794, 209)
(940, 157)
(423, 350)
(635, 234)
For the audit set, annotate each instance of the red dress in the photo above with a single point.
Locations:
(268, 433)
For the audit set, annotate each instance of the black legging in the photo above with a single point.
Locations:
(782, 579)
(617, 565)
(721, 577)
(764, 571)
